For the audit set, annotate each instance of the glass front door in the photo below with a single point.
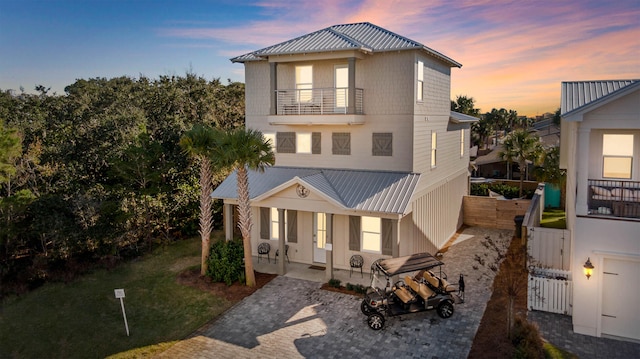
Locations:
(319, 237)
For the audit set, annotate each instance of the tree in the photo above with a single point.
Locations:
(549, 170)
(242, 149)
(482, 129)
(198, 144)
(10, 148)
(465, 105)
(520, 146)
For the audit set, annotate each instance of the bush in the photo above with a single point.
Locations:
(225, 263)
(334, 283)
(526, 340)
(482, 189)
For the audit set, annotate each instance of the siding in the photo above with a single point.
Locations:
(436, 216)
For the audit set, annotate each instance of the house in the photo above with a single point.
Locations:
(600, 148)
(370, 160)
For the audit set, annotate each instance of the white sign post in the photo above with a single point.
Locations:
(120, 294)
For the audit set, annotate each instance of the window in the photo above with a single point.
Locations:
(303, 143)
(617, 154)
(341, 143)
(271, 137)
(420, 81)
(371, 239)
(382, 144)
(304, 83)
(433, 148)
(461, 143)
(286, 142)
(270, 224)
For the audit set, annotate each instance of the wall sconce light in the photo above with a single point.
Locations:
(588, 268)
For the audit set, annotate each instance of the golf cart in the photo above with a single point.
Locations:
(421, 286)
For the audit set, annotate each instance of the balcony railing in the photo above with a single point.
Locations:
(317, 101)
(612, 197)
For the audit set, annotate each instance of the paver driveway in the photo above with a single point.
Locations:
(293, 318)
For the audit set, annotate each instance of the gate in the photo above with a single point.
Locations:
(549, 247)
(550, 291)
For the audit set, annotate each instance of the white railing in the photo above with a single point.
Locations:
(550, 291)
(317, 101)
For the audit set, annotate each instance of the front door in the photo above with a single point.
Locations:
(319, 237)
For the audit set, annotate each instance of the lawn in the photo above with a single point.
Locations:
(554, 218)
(83, 319)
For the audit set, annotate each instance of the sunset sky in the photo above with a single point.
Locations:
(514, 53)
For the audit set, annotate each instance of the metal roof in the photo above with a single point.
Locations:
(363, 36)
(371, 191)
(580, 94)
(458, 117)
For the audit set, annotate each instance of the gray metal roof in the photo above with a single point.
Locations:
(580, 94)
(458, 117)
(371, 191)
(362, 36)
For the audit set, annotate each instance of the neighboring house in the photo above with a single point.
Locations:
(369, 158)
(600, 148)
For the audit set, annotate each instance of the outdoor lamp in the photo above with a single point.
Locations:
(588, 268)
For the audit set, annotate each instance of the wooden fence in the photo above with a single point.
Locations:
(492, 212)
(546, 293)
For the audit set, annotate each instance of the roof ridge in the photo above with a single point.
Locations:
(348, 38)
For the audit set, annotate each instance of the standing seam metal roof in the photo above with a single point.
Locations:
(371, 191)
(576, 95)
(362, 36)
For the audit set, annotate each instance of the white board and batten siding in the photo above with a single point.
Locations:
(549, 247)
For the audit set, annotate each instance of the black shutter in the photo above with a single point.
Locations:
(292, 226)
(286, 142)
(265, 218)
(341, 143)
(315, 143)
(387, 236)
(354, 233)
(382, 144)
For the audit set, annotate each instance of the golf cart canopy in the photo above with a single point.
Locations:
(412, 263)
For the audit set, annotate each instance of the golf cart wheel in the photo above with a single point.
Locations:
(365, 308)
(375, 321)
(445, 309)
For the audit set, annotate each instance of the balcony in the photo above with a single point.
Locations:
(303, 106)
(614, 198)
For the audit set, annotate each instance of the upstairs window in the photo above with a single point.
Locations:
(271, 138)
(303, 143)
(420, 81)
(617, 156)
(304, 83)
(434, 146)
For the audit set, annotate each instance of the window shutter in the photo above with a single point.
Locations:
(382, 144)
(292, 226)
(265, 217)
(341, 143)
(286, 142)
(354, 233)
(315, 143)
(387, 236)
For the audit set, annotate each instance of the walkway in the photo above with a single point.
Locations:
(558, 330)
(294, 318)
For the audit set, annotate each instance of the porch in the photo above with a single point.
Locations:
(311, 273)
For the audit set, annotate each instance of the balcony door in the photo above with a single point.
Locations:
(341, 80)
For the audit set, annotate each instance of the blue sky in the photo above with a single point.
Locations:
(514, 53)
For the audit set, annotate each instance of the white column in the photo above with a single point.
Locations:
(329, 252)
(582, 191)
(227, 215)
(281, 237)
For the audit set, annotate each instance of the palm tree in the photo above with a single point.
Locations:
(240, 150)
(198, 144)
(520, 146)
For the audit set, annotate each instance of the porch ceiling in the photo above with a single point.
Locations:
(371, 191)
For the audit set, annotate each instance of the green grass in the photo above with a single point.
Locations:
(553, 352)
(554, 218)
(83, 319)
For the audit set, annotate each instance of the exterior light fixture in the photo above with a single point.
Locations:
(588, 268)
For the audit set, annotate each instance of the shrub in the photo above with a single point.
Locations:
(334, 283)
(526, 340)
(482, 189)
(225, 263)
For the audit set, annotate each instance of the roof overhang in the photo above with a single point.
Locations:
(578, 113)
(457, 117)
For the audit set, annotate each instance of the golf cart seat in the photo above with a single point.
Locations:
(419, 288)
(438, 283)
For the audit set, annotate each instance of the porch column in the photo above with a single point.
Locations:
(329, 252)
(281, 237)
(227, 215)
(351, 91)
(273, 86)
(582, 183)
